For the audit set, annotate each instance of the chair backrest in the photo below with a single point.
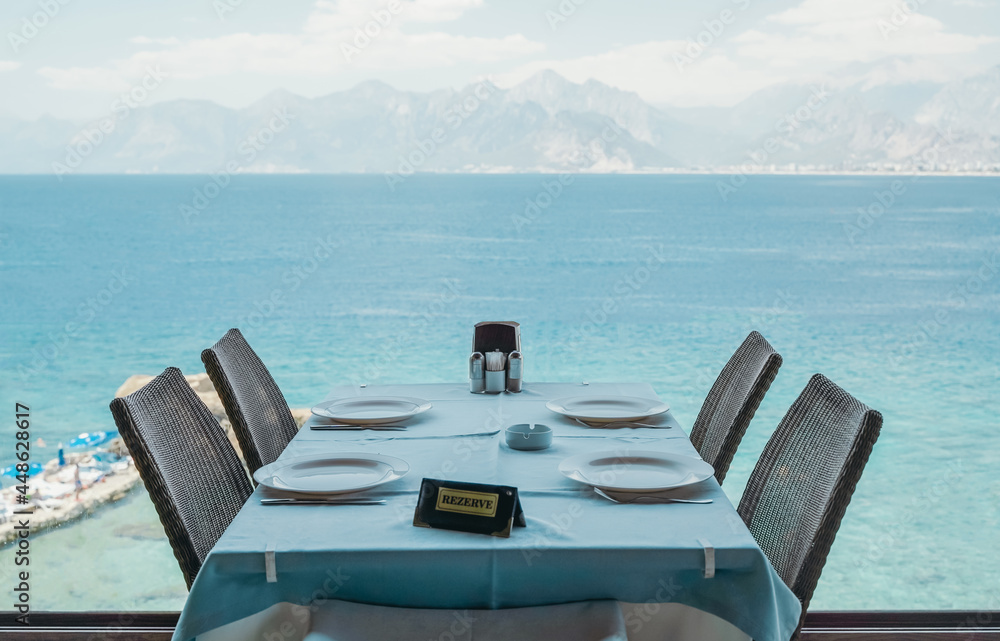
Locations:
(803, 482)
(732, 402)
(256, 408)
(187, 463)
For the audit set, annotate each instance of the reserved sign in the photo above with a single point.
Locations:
(479, 503)
(468, 507)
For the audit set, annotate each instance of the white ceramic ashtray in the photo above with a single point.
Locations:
(529, 436)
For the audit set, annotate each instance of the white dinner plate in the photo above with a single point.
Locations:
(607, 409)
(630, 471)
(364, 410)
(326, 474)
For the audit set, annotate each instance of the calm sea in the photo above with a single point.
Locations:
(889, 288)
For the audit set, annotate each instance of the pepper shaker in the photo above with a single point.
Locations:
(477, 372)
(515, 372)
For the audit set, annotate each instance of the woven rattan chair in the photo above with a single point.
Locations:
(256, 407)
(732, 402)
(803, 482)
(187, 463)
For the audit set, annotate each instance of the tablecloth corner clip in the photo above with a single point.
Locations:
(709, 558)
(269, 567)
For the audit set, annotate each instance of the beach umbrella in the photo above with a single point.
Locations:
(11, 470)
(92, 439)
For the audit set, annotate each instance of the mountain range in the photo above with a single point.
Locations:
(544, 124)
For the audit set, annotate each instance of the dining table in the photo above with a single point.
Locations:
(683, 570)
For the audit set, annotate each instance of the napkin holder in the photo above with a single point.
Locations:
(468, 507)
(505, 336)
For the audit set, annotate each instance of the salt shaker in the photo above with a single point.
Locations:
(515, 372)
(477, 372)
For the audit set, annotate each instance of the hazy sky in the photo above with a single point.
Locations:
(690, 53)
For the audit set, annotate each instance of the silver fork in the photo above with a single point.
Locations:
(648, 499)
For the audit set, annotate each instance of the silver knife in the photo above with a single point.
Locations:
(322, 502)
(334, 428)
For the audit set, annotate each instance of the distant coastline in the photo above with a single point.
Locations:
(544, 124)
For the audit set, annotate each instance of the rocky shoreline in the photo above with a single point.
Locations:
(53, 512)
(107, 474)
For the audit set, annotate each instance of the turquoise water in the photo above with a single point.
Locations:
(656, 278)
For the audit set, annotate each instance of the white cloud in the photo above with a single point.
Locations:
(440, 10)
(78, 78)
(853, 31)
(346, 35)
(8, 65)
(800, 44)
(348, 14)
(809, 39)
(898, 71)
